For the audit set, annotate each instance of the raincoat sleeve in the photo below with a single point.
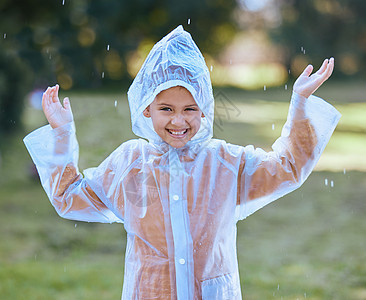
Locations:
(55, 153)
(267, 176)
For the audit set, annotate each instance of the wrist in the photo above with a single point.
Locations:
(301, 93)
(60, 126)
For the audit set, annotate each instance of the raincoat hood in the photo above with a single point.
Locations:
(174, 61)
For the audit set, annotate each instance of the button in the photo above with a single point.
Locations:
(175, 197)
(182, 261)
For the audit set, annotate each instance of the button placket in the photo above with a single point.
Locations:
(181, 234)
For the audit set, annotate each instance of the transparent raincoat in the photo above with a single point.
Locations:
(180, 206)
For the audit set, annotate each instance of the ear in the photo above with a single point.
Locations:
(146, 112)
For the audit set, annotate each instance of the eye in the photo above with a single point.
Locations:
(165, 108)
(191, 109)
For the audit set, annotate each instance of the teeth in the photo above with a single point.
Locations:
(178, 132)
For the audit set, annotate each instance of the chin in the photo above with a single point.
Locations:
(177, 144)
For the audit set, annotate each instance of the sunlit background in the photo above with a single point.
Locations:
(254, 51)
(250, 45)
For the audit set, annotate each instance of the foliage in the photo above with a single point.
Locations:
(13, 85)
(85, 43)
(324, 28)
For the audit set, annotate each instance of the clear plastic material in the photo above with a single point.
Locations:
(180, 206)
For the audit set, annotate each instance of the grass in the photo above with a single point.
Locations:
(308, 245)
(46, 257)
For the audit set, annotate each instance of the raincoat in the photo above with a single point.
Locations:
(180, 206)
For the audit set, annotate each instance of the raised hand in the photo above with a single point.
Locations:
(56, 114)
(306, 84)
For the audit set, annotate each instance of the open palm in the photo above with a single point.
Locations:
(306, 84)
(56, 114)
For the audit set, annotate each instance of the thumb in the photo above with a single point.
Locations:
(67, 104)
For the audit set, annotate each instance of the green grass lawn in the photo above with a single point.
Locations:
(308, 245)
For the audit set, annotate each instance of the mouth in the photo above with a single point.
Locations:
(177, 133)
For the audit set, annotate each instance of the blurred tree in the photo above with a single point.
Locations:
(319, 29)
(13, 84)
(85, 43)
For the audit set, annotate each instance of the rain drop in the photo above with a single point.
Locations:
(286, 87)
(273, 126)
(115, 103)
(63, 2)
(331, 183)
(4, 35)
(302, 49)
(326, 181)
(211, 68)
(76, 225)
(344, 171)
(189, 21)
(264, 88)
(107, 47)
(102, 74)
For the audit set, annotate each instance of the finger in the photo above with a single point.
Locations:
(323, 67)
(45, 97)
(330, 67)
(307, 71)
(46, 92)
(67, 105)
(54, 95)
(329, 70)
(49, 98)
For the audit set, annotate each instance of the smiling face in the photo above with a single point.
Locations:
(175, 115)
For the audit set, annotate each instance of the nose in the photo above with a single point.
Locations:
(178, 120)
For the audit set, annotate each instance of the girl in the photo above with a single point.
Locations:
(180, 193)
